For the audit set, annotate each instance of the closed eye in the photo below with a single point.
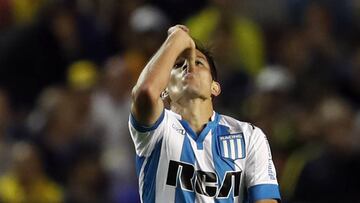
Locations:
(198, 62)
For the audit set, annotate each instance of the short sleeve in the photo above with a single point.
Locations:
(146, 137)
(260, 171)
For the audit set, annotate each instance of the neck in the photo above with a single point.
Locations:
(197, 112)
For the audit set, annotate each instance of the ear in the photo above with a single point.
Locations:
(215, 88)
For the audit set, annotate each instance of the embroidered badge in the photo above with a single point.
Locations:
(232, 146)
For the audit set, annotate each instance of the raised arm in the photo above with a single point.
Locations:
(146, 104)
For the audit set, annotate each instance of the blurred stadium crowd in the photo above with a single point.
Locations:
(290, 67)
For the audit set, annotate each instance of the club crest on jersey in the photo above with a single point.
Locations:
(232, 146)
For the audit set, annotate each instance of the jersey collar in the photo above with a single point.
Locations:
(199, 139)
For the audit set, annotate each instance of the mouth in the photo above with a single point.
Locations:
(188, 76)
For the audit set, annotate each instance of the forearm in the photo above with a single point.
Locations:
(146, 103)
(156, 74)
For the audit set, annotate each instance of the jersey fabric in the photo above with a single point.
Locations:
(229, 161)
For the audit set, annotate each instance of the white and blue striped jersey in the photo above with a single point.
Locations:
(229, 161)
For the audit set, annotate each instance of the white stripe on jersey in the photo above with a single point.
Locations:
(141, 179)
(164, 193)
(204, 162)
(226, 150)
(232, 148)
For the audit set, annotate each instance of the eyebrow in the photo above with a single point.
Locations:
(202, 57)
(197, 56)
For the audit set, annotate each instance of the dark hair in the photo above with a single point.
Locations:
(209, 57)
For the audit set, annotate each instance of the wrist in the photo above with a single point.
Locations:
(179, 42)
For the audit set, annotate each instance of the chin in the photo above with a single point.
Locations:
(193, 93)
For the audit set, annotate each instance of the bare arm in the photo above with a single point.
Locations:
(146, 104)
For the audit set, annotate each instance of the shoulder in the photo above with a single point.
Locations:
(249, 131)
(236, 125)
(171, 114)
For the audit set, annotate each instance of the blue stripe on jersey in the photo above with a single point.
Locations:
(188, 156)
(200, 139)
(246, 195)
(139, 162)
(188, 129)
(264, 191)
(142, 128)
(221, 165)
(148, 193)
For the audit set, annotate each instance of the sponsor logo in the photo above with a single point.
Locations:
(205, 183)
(178, 129)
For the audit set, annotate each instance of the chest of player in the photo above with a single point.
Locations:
(215, 143)
(209, 164)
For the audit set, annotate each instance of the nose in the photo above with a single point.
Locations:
(189, 67)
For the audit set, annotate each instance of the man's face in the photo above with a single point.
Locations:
(191, 82)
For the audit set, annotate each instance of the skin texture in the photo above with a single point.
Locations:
(146, 103)
(185, 74)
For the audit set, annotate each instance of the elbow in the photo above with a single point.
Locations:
(144, 96)
(145, 105)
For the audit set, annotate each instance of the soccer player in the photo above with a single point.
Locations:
(191, 153)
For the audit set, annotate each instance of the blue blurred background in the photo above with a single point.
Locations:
(291, 67)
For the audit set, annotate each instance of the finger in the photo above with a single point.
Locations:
(174, 28)
(183, 27)
(171, 30)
